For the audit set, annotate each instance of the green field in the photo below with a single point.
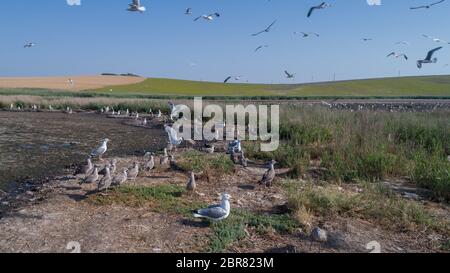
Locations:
(426, 86)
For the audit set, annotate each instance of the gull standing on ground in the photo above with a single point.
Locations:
(87, 169)
(99, 151)
(427, 6)
(133, 172)
(91, 178)
(323, 5)
(243, 160)
(159, 114)
(150, 164)
(191, 184)
(164, 158)
(269, 176)
(120, 178)
(106, 181)
(136, 6)
(265, 30)
(429, 57)
(216, 212)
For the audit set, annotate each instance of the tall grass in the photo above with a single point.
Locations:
(365, 145)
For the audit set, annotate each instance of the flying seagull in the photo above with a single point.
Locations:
(266, 30)
(29, 45)
(288, 75)
(306, 35)
(188, 11)
(367, 39)
(136, 6)
(174, 139)
(209, 17)
(216, 212)
(429, 57)
(427, 6)
(397, 55)
(437, 40)
(236, 78)
(402, 43)
(260, 47)
(323, 5)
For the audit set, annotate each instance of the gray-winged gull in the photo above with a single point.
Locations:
(216, 212)
(100, 150)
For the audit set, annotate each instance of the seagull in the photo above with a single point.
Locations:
(306, 35)
(165, 158)
(367, 39)
(91, 178)
(268, 177)
(159, 114)
(397, 55)
(99, 151)
(234, 146)
(136, 6)
(216, 212)
(260, 47)
(210, 150)
(429, 57)
(288, 75)
(149, 165)
(323, 5)
(402, 43)
(209, 17)
(188, 11)
(88, 168)
(243, 160)
(437, 40)
(174, 139)
(106, 181)
(427, 6)
(266, 30)
(120, 178)
(236, 78)
(29, 45)
(133, 172)
(191, 184)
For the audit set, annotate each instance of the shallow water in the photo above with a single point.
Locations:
(40, 145)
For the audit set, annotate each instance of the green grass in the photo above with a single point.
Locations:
(233, 229)
(384, 87)
(213, 165)
(376, 203)
(161, 198)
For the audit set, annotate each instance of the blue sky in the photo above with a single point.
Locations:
(101, 36)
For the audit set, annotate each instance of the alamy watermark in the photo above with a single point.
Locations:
(250, 122)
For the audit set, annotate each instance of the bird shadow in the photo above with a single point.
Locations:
(158, 177)
(192, 223)
(77, 197)
(246, 187)
(285, 249)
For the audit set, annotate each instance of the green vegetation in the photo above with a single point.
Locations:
(370, 146)
(376, 203)
(213, 165)
(234, 228)
(385, 87)
(161, 198)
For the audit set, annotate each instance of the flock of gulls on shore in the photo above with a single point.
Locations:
(136, 6)
(107, 175)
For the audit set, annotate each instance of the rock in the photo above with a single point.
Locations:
(319, 235)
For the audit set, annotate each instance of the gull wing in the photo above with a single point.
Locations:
(213, 212)
(227, 79)
(270, 26)
(431, 52)
(436, 3)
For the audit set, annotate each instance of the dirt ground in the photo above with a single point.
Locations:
(47, 217)
(62, 83)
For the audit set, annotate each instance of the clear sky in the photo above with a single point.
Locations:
(101, 36)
